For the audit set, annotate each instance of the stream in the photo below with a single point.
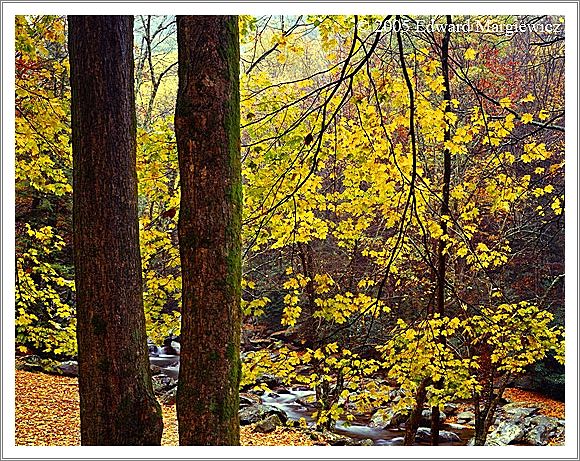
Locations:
(289, 400)
(358, 429)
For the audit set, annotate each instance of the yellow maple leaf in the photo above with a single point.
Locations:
(557, 206)
(527, 118)
(529, 98)
(505, 102)
(469, 54)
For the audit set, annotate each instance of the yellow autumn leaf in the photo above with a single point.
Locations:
(505, 102)
(543, 115)
(527, 118)
(410, 334)
(557, 206)
(435, 230)
(529, 98)
(469, 54)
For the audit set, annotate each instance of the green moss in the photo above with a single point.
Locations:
(234, 381)
(234, 272)
(232, 129)
(229, 409)
(231, 352)
(235, 375)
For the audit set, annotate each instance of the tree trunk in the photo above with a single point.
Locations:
(482, 424)
(441, 257)
(484, 416)
(415, 417)
(118, 406)
(208, 143)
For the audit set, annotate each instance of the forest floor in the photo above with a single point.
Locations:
(47, 413)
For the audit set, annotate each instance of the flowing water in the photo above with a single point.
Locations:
(293, 402)
(169, 364)
(358, 429)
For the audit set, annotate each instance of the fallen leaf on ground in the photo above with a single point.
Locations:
(47, 413)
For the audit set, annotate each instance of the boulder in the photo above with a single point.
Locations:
(334, 439)
(450, 409)
(458, 427)
(540, 429)
(247, 399)
(170, 347)
(255, 413)
(282, 390)
(169, 397)
(162, 383)
(342, 440)
(397, 441)
(425, 420)
(269, 424)
(516, 411)
(30, 363)
(155, 370)
(424, 435)
(269, 380)
(387, 417)
(507, 432)
(152, 348)
(68, 368)
(363, 443)
(466, 417)
(546, 377)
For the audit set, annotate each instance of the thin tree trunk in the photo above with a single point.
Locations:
(441, 257)
(118, 406)
(484, 418)
(415, 417)
(208, 142)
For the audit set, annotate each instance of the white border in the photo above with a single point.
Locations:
(569, 10)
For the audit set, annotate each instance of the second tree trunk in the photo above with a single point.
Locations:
(208, 143)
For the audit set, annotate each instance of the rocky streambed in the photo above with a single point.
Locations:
(515, 423)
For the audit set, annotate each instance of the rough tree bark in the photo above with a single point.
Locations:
(118, 406)
(208, 143)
